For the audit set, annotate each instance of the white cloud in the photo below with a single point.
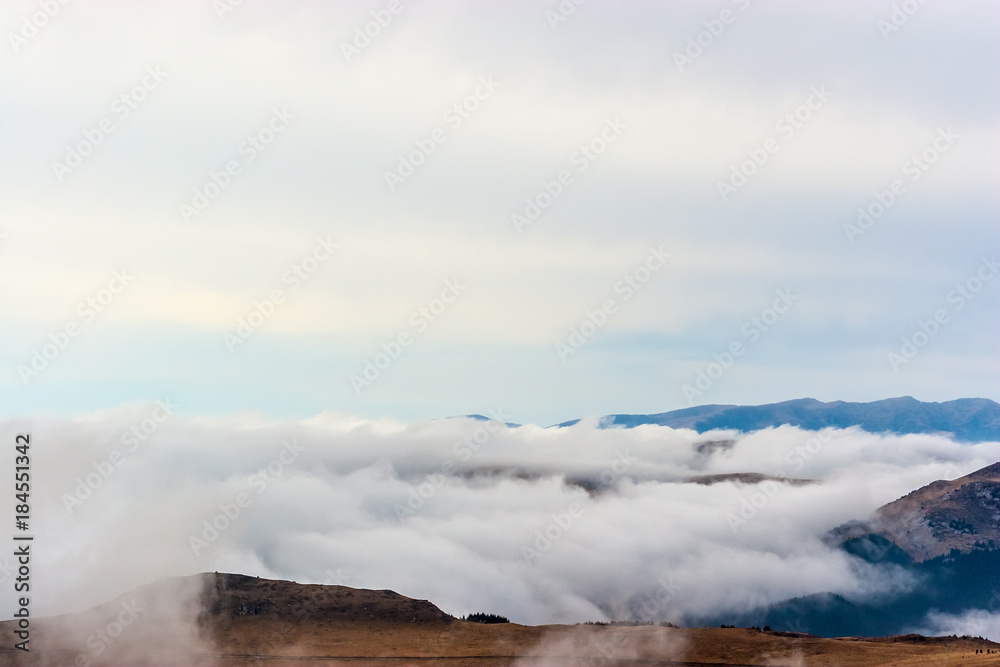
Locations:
(975, 623)
(336, 505)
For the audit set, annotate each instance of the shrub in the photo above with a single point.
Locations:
(485, 618)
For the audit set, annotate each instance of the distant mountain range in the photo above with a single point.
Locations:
(964, 419)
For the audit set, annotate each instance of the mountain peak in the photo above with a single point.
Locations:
(962, 514)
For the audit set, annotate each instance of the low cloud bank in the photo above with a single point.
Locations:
(540, 525)
(975, 623)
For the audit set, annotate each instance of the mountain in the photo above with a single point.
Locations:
(231, 620)
(945, 516)
(943, 537)
(965, 419)
(227, 620)
(226, 596)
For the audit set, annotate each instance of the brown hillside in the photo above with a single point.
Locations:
(222, 620)
(959, 514)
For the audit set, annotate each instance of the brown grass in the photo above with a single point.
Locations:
(247, 621)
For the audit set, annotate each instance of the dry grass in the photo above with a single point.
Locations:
(247, 621)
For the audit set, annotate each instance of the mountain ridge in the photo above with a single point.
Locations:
(944, 535)
(964, 419)
(940, 518)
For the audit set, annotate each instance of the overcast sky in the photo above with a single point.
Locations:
(119, 117)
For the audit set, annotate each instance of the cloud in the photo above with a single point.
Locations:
(148, 626)
(602, 645)
(540, 525)
(975, 623)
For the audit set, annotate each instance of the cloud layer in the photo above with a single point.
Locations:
(540, 525)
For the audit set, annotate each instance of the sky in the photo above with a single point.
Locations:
(245, 207)
(260, 250)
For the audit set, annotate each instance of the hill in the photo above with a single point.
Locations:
(943, 537)
(943, 517)
(216, 619)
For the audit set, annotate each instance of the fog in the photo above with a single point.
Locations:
(975, 622)
(543, 525)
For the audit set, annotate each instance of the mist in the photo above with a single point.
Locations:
(542, 525)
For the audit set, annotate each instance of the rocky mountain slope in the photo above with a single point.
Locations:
(957, 515)
(943, 537)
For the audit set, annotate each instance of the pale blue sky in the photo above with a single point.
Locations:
(680, 130)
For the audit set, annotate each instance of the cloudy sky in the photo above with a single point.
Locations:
(242, 207)
(310, 230)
